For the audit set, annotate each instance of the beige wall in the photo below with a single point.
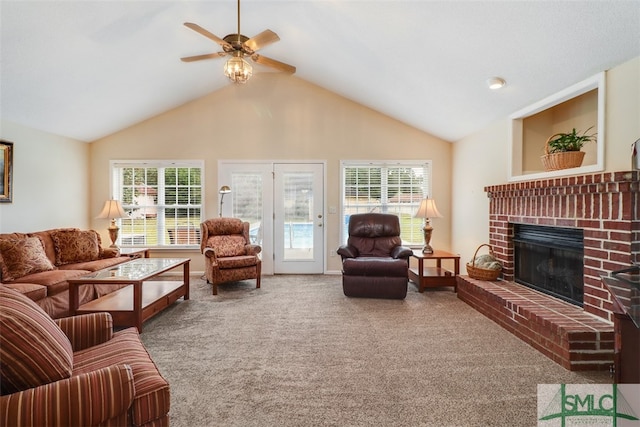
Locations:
(50, 181)
(480, 159)
(275, 117)
(622, 114)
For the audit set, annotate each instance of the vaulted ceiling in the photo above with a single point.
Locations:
(85, 69)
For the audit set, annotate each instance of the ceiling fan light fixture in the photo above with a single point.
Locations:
(496, 83)
(238, 70)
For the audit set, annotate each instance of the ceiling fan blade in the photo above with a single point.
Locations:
(200, 57)
(263, 39)
(273, 63)
(197, 28)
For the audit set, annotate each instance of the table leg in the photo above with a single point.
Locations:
(137, 305)
(73, 299)
(185, 273)
(456, 270)
(420, 275)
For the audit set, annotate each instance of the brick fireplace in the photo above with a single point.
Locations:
(606, 206)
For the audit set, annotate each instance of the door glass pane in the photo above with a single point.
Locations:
(298, 215)
(247, 202)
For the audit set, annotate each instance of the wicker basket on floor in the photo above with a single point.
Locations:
(560, 160)
(482, 273)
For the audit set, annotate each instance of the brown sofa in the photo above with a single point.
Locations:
(39, 264)
(74, 371)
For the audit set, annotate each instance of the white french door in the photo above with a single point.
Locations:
(284, 203)
(298, 218)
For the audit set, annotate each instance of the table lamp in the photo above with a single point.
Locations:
(113, 209)
(427, 210)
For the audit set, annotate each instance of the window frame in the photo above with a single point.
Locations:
(117, 190)
(417, 224)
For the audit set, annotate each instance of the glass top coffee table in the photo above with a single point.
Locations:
(132, 305)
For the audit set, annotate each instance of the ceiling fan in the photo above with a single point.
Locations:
(238, 47)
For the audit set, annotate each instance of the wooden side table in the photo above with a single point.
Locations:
(433, 277)
(134, 253)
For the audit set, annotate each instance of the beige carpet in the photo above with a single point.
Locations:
(297, 352)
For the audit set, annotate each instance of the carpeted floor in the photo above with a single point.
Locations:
(297, 352)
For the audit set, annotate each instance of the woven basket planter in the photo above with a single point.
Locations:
(562, 160)
(482, 273)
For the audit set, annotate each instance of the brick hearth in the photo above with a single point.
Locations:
(606, 206)
(565, 333)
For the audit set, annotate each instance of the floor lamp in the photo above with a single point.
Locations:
(223, 190)
(427, 210)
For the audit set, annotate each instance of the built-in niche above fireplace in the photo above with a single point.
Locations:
(550, 260)
(580, 106)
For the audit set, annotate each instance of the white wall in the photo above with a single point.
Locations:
(50, 181)
(480, 159)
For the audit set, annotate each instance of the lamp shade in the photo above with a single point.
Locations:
(427, 209)
(113, 209)
(224, 189)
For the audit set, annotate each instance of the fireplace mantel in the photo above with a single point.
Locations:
(605, 205)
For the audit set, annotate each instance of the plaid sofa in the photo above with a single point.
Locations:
(74, 371)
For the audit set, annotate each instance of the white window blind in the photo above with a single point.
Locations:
(386, 187)
(163, 199)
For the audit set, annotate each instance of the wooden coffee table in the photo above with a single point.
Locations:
(132, 305)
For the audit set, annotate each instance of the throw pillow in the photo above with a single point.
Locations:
(227, 245)
(75, 246)
(33, 349)
(21, 257)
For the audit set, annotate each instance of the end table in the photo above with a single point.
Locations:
(134, 253)
(433, 277)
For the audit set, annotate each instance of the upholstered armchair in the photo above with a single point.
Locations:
(374, 262)
(229, 254)
(74, 371)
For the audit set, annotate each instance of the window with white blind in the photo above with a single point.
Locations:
(386, 187)
(164, 201)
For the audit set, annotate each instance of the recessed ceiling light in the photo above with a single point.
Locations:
(496, 83)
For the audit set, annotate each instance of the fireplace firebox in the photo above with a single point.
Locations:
(550, 260)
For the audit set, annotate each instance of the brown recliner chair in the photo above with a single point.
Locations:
(229, 254)
(374, 262)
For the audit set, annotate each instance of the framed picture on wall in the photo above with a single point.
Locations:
(6, 168)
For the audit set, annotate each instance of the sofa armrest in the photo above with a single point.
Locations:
(109, 252)
(87, 330)
(84, 400)
(346, 251)
(401, 252)
(34, 291)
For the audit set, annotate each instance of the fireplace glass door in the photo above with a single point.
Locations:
(550, 259)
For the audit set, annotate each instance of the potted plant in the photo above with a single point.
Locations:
(562, 150)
